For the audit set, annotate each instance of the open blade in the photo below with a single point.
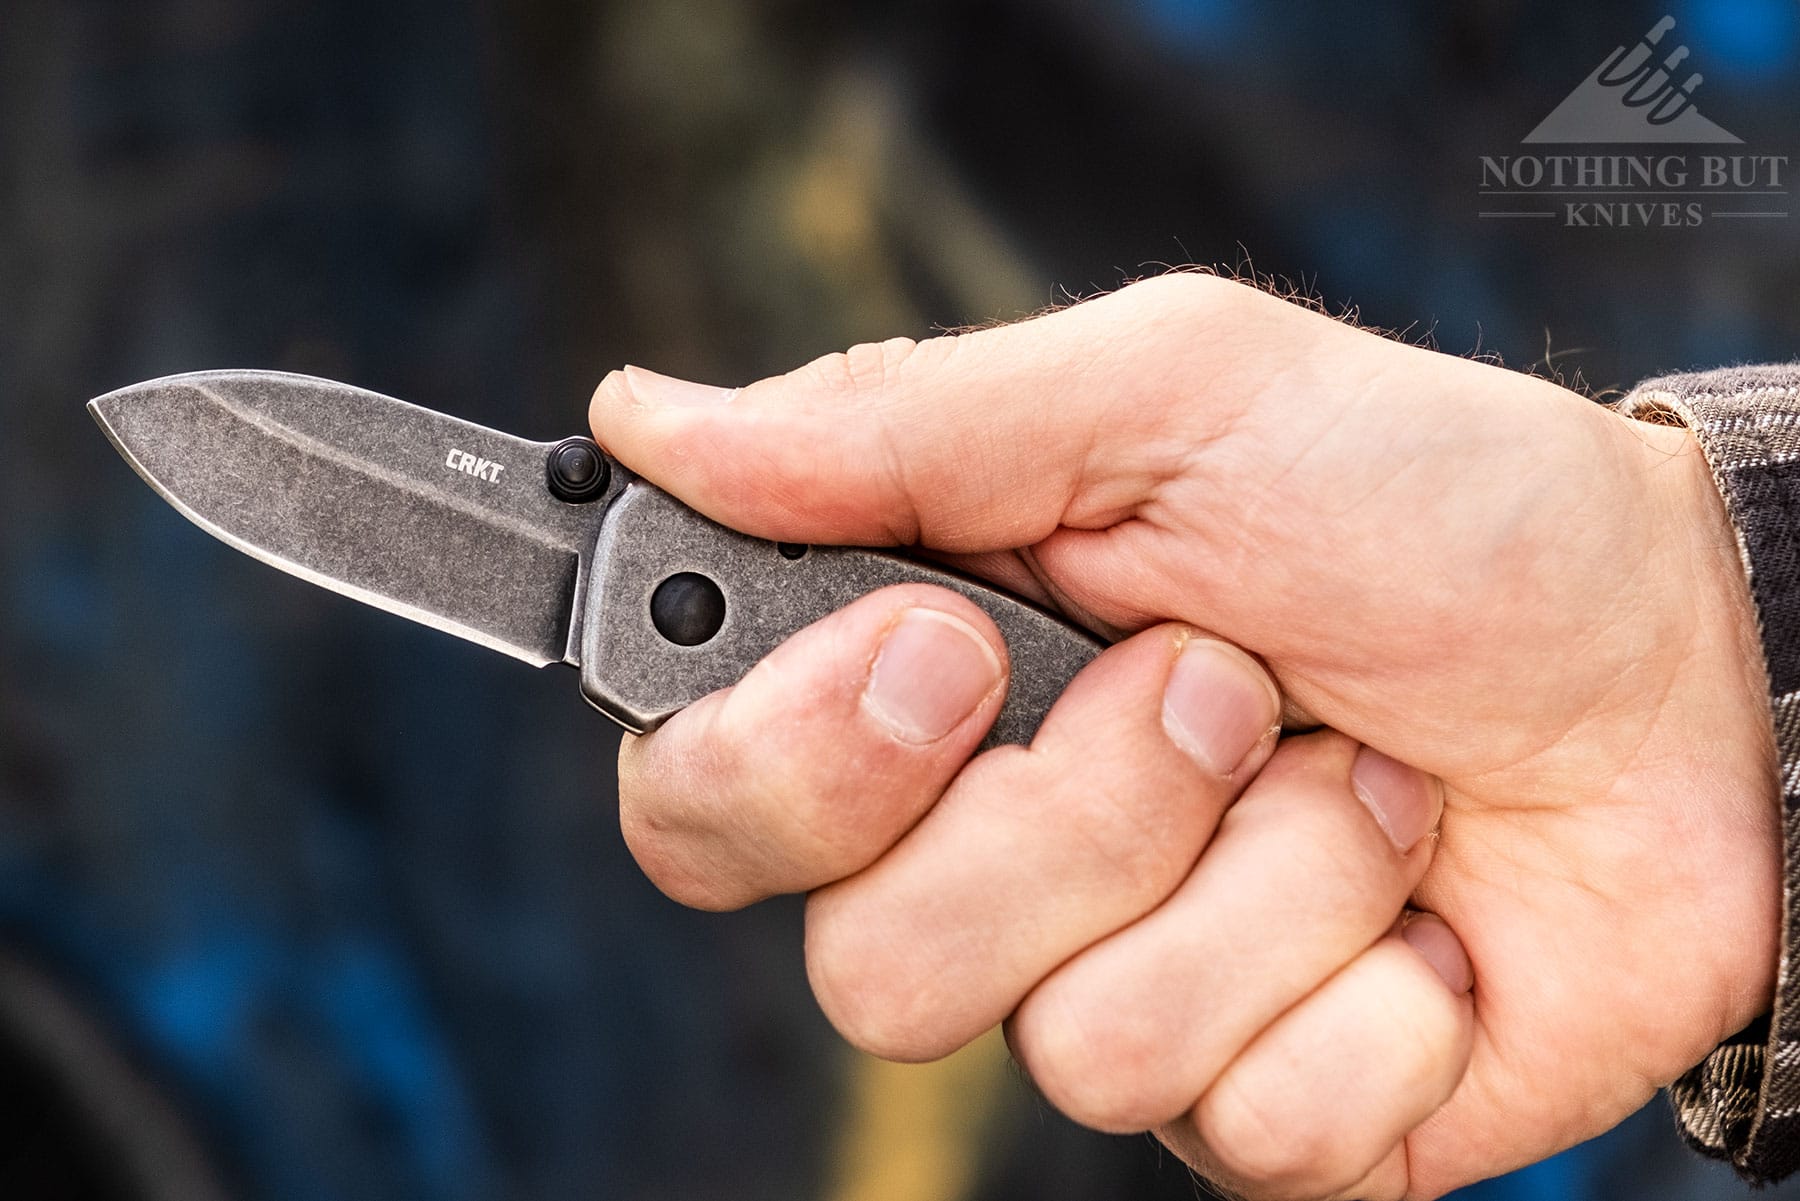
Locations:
(439, 520)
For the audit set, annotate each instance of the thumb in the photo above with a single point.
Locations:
(967, 442)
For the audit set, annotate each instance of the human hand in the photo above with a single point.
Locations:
(1475, 572)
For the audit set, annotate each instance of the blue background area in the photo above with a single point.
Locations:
(1747, 40)
(350, 893)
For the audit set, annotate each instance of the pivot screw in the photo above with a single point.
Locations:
(576, 470)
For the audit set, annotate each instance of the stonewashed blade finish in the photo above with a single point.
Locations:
(438, 520)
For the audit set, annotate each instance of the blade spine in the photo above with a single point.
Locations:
(374, 600)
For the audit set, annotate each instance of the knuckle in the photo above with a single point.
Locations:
(1254, 1142)
(1359, 890)
(782, 793)
(672, 826)
(826, 816)
(1187, 292)
(867, 367)
(1104, 1066)
(1337, 848)
(1429, 1034)
(647, 827)
(874, 1000)
(883, 1030)
(1129, 838)
(794, 804)
(1130, 834)
(667, 859)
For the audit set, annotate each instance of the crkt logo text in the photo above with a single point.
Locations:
(468, 464)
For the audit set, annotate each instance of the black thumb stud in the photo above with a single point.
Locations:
(576, 470)
(687, 608)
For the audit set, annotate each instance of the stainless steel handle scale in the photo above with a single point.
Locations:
(663, 577)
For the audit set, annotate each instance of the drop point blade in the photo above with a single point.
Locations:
(439, 520)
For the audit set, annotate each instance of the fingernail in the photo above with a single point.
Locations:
(932, 671)
(653, 388)
(1405, 801)
(1438, 945)
(1218, 704)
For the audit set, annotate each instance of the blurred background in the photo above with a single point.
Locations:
(301, 901)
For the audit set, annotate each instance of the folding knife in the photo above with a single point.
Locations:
(549, 552)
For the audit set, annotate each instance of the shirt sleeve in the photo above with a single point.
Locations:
(1742, 1103)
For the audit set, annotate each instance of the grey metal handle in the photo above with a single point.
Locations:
(635, 674)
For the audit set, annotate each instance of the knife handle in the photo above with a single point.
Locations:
(678, 606)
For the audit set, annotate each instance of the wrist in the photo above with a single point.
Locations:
(1730, 752)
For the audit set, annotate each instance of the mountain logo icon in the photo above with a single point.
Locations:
(1634, 96)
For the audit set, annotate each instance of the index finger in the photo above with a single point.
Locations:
(821, 757)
